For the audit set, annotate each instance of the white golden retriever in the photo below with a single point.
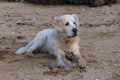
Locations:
(62, 41)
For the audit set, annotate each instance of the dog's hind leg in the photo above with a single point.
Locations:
(35, 45)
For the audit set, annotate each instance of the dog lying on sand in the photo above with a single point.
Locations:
(62, 41)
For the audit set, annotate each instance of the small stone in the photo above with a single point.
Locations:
(50, 67)
(20, 37)
(7, 47)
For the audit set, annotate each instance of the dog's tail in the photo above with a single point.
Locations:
(24, 49)
(21, 50)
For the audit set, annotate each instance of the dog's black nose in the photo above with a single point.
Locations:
(74, 30)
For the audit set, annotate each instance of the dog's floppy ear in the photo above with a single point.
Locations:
(76, 20)
(58, 24)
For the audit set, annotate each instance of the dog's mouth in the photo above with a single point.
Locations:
(74, 35)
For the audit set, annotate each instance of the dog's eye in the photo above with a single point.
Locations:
(67, 24)
(73, 22)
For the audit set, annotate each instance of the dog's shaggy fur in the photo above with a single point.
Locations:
(62, 41)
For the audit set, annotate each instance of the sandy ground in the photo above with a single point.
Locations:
(100, 42)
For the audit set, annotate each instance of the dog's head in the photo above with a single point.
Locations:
(67, 23)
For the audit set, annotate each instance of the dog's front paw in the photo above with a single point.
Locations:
(81, 63)
(71, 57)
(29, 54)
(62, 64)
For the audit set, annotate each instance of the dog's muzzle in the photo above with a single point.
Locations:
(74, 32)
